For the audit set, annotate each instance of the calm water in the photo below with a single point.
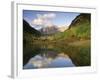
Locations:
(49, 59)
(55, 55)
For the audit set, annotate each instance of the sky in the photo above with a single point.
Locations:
(38, 19)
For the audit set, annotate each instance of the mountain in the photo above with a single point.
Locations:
(28, 29)
(29, 33)
(79, 29)
(62, 28)
(49, 30)
(82, 18)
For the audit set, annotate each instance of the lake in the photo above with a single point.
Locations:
(49, 59)
(55, 56)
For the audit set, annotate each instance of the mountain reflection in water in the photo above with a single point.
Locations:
(46, 60)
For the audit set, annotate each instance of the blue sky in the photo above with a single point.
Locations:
(58, 18)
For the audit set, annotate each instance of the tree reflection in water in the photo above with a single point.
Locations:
(50, 59)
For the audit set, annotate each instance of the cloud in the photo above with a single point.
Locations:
(49, 16)
(44, 19)
(37, 22)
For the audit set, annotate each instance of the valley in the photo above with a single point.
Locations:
(74, 41)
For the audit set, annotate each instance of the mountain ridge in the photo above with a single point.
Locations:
(28, 29)
(83, 17)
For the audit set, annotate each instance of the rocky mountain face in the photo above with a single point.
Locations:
(53, 29)
(49, 30)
